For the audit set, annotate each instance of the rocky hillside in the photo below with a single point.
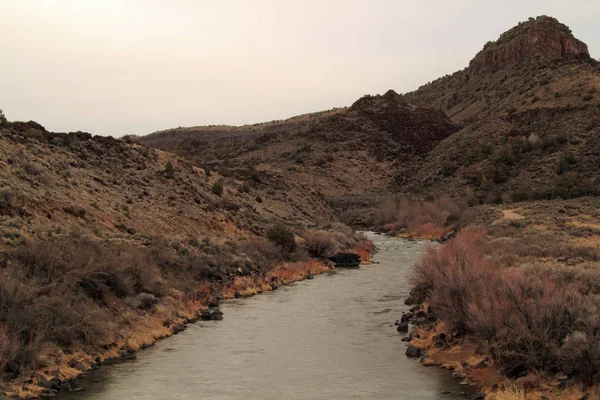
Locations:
(107, 245)
(340, 156)
(524, 124)
(529, 105)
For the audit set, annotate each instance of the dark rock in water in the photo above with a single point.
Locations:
(178, 329)
(421, 314)
(213, 304)
(214, 314)
(414, 308)
(402, 327)
(237, 295)
(445, 392)
(413, 352)
(405, 339)
(309, 275)
(346, 259)
(406, 317)
(409, 301)
(397, 322)
(478, 396)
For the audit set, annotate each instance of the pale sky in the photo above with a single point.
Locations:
(113, 67)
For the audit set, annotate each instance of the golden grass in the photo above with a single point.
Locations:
(364, 249)
(512, 393)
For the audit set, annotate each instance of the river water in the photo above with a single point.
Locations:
(327, 338)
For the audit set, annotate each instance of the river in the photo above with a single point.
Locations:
(326, 338)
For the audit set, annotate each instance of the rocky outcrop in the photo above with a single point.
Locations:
(387, 126)
(543, 37)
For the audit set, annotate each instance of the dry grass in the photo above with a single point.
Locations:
(428, 220)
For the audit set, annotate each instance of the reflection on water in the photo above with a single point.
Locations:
(327, 338)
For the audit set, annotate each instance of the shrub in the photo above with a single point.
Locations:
(169, 170)
(6, 196)
(3, 120)
(147, 301)
(75, 211)
(33, 169)
(530, 319)
(320, 244)
(217, 188)
(283, 237)
(404, 213)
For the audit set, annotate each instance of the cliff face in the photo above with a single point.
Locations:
(536, 85)
(542, 37)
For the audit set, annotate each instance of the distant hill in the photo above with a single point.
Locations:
(523, 123)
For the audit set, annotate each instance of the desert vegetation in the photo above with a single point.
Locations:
(411, 217)
(525, 297)
(107, 246)
(60, 295)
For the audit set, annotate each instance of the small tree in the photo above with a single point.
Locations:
(3, 119)
(283, 237)
(218, 187)
(169, 170)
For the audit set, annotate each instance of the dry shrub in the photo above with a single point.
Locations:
(283, 237)
(538, 245)
(429, 218)
(428, 230)
(320, 244)
(291, 272)
(529, 320)
(364, 249)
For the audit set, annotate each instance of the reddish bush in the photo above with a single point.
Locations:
(320, 244)
(428, 219)
(530, 320)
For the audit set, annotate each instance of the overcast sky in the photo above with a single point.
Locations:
(114, 67)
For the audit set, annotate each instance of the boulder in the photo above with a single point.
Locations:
(402, 327)
(178, 329)
(413, 352)
(406, 317)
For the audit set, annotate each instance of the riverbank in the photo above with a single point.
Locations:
(332, 332)
(156, 326)
(122, 298)
(509, 304)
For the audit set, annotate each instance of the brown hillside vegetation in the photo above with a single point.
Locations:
(518, 300)
(529, 104)
(334, 155)
(106, 246)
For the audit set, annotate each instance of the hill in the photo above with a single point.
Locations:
(529, 105)
(107, 246)
(524, 124)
